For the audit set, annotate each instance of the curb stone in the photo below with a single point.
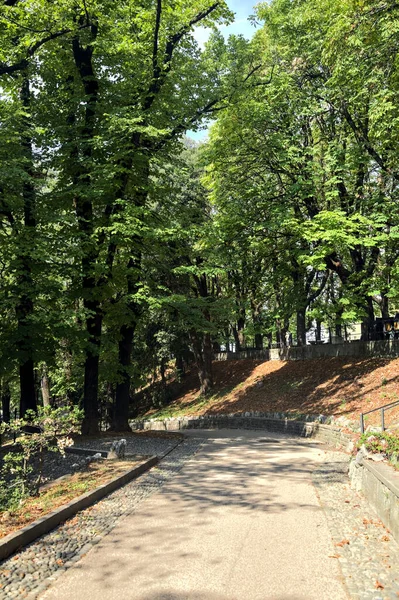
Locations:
(44, 560)
(15, 541)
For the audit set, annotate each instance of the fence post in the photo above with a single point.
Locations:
(382, 420)
(361, 423)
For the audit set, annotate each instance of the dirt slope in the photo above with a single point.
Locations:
(338, 386)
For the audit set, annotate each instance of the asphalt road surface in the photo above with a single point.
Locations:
(241, 521)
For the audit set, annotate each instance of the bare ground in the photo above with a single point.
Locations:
(333, 386)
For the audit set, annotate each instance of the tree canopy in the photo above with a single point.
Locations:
(127, 250)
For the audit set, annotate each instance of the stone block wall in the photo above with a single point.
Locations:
(380, 484)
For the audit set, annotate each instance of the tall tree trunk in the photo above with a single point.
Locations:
(368, 320)
(122, 397)
(258, 341)
(90, 424)
(240, 331)
(207, 382)
(24, 308)
(6, 401)
(82, 54)
(301, 326)
(179, 365)
(384, 306)
(202, 347)
(120, 420)
(281, 332)
(133, 278)
(45, 387)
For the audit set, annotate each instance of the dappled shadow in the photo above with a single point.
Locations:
(334, 386)
(186, 540)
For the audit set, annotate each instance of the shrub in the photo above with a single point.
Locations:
(49, 429)
(381, 442)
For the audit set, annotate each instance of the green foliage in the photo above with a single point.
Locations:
(382, 442)
(48, 430)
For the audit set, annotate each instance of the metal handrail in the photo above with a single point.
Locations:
(382, 409)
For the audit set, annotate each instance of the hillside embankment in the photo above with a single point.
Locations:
(340, 387)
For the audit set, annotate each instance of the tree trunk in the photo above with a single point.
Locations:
(368, 320)
(120, 420)
(6, 401)
(240, 332)
(179, 365)
(258, 341)
(281, 333)
(24, 308)
(90, 424)
(216, 347)
(318, 330)
(384, 306)
(301, 327)
(236, 339)
(203, 359)
(82, 54)
(45, 387)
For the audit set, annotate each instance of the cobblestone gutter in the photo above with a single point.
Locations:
(367, 552)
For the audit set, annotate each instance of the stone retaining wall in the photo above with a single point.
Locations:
(246, 421)
(380, 484)
(333, 436)
(301, 425)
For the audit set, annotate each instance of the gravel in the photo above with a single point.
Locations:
(366, 551)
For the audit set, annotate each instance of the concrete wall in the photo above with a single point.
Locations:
(380, 484)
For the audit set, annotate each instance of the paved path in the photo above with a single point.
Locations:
(241, 521)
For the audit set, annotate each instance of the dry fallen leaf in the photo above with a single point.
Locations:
(378, 585)
(385, 538)
(342, 543)
(334, 556)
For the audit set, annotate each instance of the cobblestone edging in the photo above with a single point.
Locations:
(380, 484)
(28, 573)
(12, 542)
(367, 552)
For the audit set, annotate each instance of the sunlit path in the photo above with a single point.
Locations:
(241, 520)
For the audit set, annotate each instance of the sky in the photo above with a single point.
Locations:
(242, 10)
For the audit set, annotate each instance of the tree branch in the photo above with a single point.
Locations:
(160, 73)
(24, 62)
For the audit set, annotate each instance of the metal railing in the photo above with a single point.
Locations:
(382, 410)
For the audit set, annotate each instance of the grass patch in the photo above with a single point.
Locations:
(61, 492)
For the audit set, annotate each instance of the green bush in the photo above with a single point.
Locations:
(381, 442)
(48, 430)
